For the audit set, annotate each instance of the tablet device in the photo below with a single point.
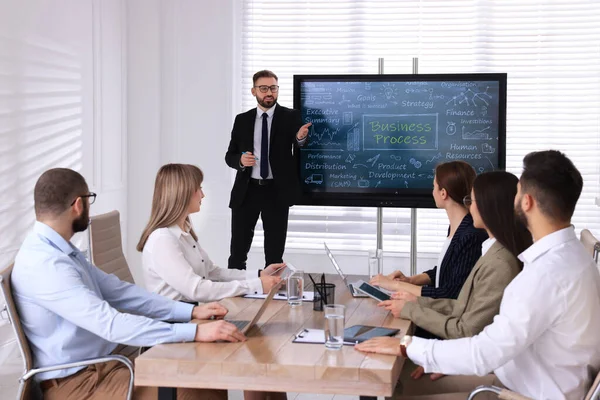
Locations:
(371, 291)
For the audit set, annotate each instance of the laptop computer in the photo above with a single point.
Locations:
(245, 326)
(353, 291)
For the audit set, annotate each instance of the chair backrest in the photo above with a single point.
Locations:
(594, 392)
(590, 243)
(13, 317)
(105, 245)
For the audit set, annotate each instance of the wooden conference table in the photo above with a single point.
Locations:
(269, 361)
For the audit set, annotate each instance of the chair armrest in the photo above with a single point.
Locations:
(115, 357)
(506, 394)
(503, 394)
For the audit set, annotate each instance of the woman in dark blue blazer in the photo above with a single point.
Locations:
(462, 248)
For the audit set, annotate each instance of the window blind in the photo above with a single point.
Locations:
(550, 50)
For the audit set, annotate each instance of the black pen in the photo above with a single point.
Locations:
(317, 289)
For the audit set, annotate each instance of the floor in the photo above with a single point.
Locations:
(11, 366)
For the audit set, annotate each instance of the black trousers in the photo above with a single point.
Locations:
(259, 200)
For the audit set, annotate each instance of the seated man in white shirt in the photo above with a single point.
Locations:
(544, 344)
(68, 307)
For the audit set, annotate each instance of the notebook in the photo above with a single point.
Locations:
(352, 335)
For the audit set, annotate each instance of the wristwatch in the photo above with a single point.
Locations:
(404, 343)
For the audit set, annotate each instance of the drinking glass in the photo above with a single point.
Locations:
(295, 288)
(334, 326)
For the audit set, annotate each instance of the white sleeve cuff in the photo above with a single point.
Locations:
(417, 352)
(255, 286)
(182, 312)
(184, 332)
(251, 274)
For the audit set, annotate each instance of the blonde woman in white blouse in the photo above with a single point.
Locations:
(175, 265)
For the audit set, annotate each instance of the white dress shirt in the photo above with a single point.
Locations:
(68, 307)
(441, 256)
(176, 267)
(545, 342)
(485, 246)
(258, 140)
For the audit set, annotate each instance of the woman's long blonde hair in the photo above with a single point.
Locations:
(173, 189)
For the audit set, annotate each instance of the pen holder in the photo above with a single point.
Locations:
(328, 290)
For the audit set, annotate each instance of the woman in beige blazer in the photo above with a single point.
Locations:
(492, 206)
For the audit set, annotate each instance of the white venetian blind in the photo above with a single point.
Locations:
(550, 50)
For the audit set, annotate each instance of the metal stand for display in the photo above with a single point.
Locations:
(379, 251)
(413, 211)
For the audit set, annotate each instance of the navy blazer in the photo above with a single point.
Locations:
(460, 258)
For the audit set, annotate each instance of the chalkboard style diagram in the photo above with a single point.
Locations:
(375, 139)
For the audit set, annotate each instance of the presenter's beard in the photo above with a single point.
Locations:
(268, 104)
(81, 223)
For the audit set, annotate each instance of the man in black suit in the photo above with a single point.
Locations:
(263, 149)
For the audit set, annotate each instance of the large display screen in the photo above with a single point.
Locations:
(375, 139)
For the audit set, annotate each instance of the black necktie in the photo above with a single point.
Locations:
(264, 148)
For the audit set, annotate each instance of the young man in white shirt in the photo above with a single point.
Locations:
(72, 311)
(544, 344)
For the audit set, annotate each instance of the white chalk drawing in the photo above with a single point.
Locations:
(487, 148)
(326, 132)
(317, 179)
(371, 161)
(348, 117)
(344, 100)
(436, 157)
(471, 98)
(389, 91)
(451, 128)
(415, 163)
(479, 134)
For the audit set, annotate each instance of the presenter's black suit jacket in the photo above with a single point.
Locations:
(283, 154)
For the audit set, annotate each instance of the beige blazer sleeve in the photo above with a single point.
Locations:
(444, 306)
(477, 303)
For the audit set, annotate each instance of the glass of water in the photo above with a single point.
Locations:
(334, 326)
(295, 288)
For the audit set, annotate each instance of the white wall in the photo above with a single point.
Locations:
(61, 104)
(180, 63)
(143, 117)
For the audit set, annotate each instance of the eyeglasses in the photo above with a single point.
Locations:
(467, 201)
(91, 195)
(265, 88)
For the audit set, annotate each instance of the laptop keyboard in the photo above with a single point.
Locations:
(239, 324)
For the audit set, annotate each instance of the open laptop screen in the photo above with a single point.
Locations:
(335, 264)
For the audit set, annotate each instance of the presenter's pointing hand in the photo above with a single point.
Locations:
(248, 159)
(303, 131)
